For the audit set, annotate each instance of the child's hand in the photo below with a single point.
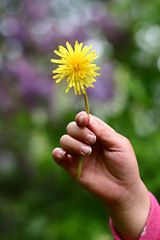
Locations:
(109, 170)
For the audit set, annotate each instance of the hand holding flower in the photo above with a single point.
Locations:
(77, 66)
(109, 171)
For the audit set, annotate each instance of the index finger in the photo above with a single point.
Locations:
(82, 119)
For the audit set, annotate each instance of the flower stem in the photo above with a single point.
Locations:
(86, 102)
(79, 168)
(81, 158)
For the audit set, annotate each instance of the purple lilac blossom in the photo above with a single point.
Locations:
(36, 9)
(31, 86)
(104, 86)
(6, 103)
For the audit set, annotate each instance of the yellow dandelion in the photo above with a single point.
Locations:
(76, 65)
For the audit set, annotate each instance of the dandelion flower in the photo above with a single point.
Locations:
(76, 65)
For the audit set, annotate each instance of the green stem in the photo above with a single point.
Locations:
(79, 168)
(81, 158)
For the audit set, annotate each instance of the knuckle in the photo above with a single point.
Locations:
(63, 139)
(126, 142)
(81, 119)
(103, 131)
(80, 114)
(70, 126)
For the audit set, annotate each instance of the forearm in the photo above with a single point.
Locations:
(130, 217)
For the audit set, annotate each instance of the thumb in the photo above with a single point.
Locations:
(104, 133)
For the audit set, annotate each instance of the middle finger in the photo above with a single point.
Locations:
(82, 134)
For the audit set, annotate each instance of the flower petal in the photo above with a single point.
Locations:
(76, 65)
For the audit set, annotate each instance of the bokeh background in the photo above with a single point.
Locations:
(38, 200)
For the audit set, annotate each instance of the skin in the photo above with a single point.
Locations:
(109, 171)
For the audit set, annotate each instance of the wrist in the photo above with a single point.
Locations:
(130, 213)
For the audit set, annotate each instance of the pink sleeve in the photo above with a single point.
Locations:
(152, 229)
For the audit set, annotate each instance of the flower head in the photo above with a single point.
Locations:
(76, 65)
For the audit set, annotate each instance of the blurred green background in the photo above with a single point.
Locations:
(38, 200)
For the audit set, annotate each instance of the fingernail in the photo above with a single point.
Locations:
(91, 138)
(93, 121)
(61, 153)
(86, 150)
(81, 118)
